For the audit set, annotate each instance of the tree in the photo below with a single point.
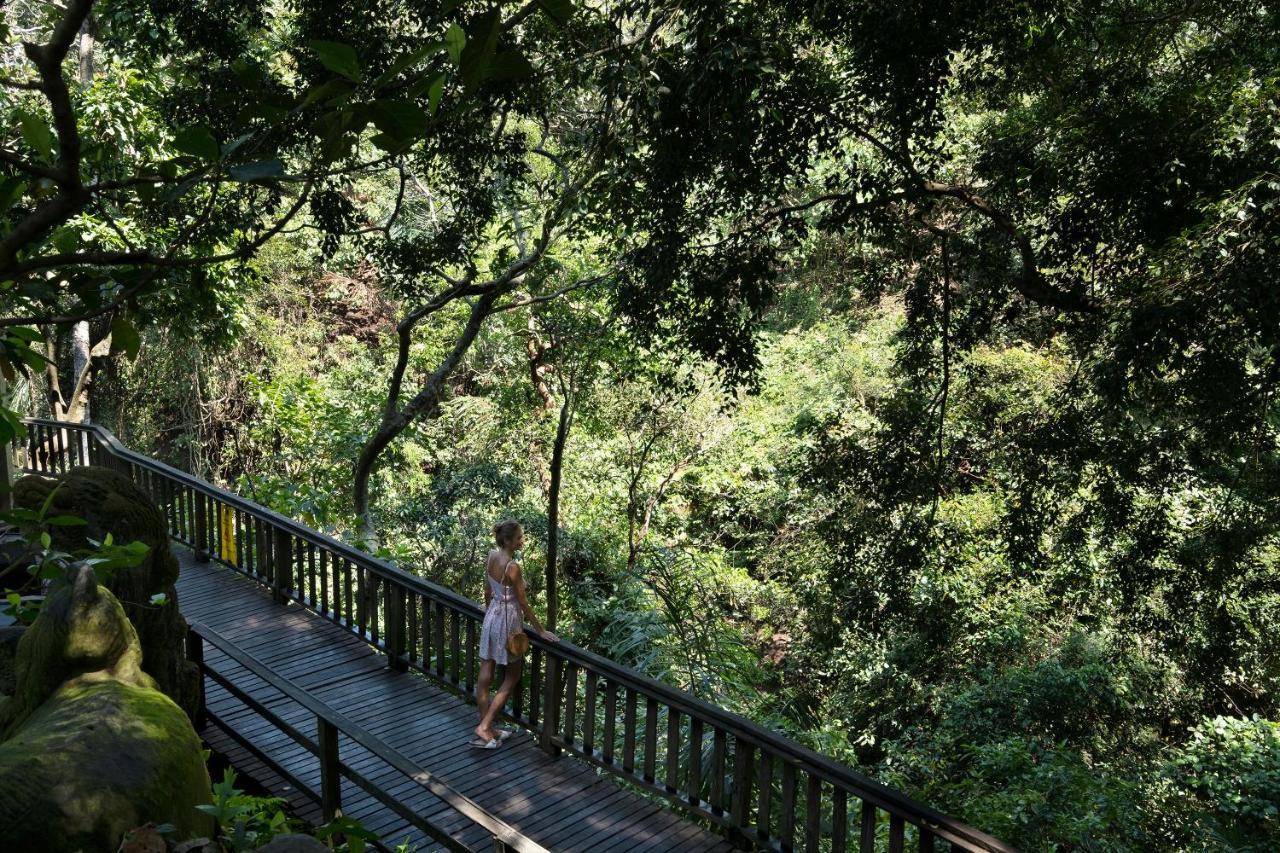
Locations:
(558, 158)
(1102, 180)
(212, 147)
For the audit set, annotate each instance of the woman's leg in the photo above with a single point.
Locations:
(482, 690)
(509, 680)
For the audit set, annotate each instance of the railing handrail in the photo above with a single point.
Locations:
(781, 746)
(374, 744)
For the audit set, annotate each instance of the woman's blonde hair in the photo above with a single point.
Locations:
(505, 532)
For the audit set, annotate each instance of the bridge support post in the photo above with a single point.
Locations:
(202, 527)
(281, 566)
(740, 797)
(195, 654)
(395, 633)
(330, 780)
(551, 705)
(6, 471)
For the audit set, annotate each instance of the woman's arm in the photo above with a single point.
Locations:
(517, 578)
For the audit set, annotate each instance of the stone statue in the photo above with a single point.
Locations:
(90, 747)
(110, 503)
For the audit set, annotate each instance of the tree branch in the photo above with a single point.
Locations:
(13, 159)
(72, 196)
(1031, 284)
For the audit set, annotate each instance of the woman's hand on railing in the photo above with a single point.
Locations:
(548, 636)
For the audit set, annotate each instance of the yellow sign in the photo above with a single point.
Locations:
(227, 526)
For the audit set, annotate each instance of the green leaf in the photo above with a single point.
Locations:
(20, 515)
(11, 189)
(388, 143)
(32, 358)
(179, 190)
(331, 91)
(231, 147)
(125, 338)
(433, 93)
(65, 521)
(258, 170)
(25, 333)
(198, 142)
(511, 65)
(407, 61)
(36, 134)
(401, 120)
(337, 57)
(559, 11)
(454, 41)
(65, 240)
(45, 539)
(51, 571)
(482, 41)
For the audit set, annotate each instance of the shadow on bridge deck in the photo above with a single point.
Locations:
(560, 803)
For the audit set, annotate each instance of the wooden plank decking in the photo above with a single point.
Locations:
(560, 803)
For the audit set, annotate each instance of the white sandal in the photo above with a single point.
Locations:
(476, 743)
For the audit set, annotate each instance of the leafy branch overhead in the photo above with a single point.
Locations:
(218, 158)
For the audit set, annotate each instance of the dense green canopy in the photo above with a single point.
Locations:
(914, 360)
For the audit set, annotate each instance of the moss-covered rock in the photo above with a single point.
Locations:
(97, 759)
(81, 629)
(9, 636)
(91, 748)
(110, 502)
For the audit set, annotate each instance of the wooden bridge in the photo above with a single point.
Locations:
(343, 682)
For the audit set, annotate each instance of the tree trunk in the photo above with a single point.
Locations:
(424, 404)
(80, 358)
(534, 353)
(6, 456)
(553, 508)
(80, 347)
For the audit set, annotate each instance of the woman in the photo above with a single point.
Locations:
(505, 603)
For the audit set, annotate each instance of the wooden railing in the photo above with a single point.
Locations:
(761, 788)
(324, 746)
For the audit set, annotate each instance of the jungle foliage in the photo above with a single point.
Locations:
(901, 374)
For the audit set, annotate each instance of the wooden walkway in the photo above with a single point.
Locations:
(560, 803)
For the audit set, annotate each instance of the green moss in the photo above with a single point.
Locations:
(97, 759)
(81, 629)
(111, 503)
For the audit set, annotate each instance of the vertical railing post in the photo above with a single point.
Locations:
(740, 796)
(6, 460)
(6, 474)
(394, 628)
(551, 703)
(202, 527)
(195, 654)
(261, 553)
(330, 779)
(281, 566)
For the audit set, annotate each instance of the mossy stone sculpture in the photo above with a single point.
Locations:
(109, 502)
(91, 748)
